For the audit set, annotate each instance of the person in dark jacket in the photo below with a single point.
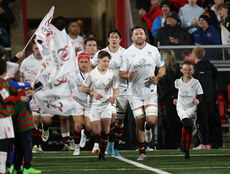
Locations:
(204, 72)
(167, 88)
(172, 33)
(206, 34)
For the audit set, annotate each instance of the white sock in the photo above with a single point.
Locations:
(66, 134)
(3, 156)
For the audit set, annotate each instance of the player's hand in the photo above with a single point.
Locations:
(29, 93)
(175, 101)
(112, 100)
(97, 96)
(77, 50)
(132, 74)
(24, 98)
(196, 101)
(20, 54)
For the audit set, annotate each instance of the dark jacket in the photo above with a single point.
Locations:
(166, 84)
(205, 72)
(177, 32)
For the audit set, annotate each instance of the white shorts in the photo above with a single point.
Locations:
(6, 128)
(98, 113)
(122, 104)
(81, 109)
(136, 102)
(187, 113)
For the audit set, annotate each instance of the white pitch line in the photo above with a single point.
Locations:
(142, 165)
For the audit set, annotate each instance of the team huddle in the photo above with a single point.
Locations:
(106, 83)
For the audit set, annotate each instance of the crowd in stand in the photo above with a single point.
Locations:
(115, 80)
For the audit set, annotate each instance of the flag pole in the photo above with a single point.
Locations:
(29, 41)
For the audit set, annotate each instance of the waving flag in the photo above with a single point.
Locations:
(225, 36)
(44, 30)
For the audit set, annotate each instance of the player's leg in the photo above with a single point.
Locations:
(78, 121)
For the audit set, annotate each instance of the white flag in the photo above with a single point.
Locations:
(43, 31)
(225, 36)
(56, 98)
(63, 56)
(12, 69)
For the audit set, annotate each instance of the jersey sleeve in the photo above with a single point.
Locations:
(124, 63)
(88, 81)
(176, 83)
(114, 82)
(159, 60)
(199, 88)
(19, 85)
(94, 60)
(22, 67)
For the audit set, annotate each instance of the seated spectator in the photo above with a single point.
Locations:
(172, 33)
(150, 15)
(214, 8)
(6, 16)
(206, 34)
(166, 8)
(223, 13)
(209, 12)
(4, 38)
(143, 5)
(189, 15)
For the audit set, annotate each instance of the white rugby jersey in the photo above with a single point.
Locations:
(79, 78)
(78, 41)
(144, 61)
(114, 65)
(187, 92)
(102, 84)
(30, 67)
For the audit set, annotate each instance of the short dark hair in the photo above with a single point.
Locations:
(137, 27)
(185, 53)
(74, 20)
(87, 39)
(114, 31)
(2, 66)
(103, 54)
(187, 63)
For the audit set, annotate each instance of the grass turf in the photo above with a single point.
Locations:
(171, 161)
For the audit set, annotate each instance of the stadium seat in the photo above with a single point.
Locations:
(222, 107)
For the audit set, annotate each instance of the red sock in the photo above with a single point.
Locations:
(184, 134)
(188, 140)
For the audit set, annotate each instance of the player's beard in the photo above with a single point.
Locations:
(140, 42)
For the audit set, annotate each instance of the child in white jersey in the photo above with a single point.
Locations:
(101, 85)
(189, 96)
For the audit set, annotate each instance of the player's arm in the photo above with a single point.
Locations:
(19, 85)
(160, 73)
(88, 91)
(115, 95)
(126, 75)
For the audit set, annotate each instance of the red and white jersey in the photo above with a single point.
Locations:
(114, 66)
(144, 61)
(30, 67)
(187, 92)
(102, 84)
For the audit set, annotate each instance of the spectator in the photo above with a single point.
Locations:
(223, 13)
(166, 8)
(189, 15)
(166, 86)
(203, 73)
(172, 33)
(206, 34)
(6, 16)
(214, 8)
(153, 13)
(186, 55)
(142, 5)
(4, 37)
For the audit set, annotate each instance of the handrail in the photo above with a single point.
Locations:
(192, 46)
(8, 48)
